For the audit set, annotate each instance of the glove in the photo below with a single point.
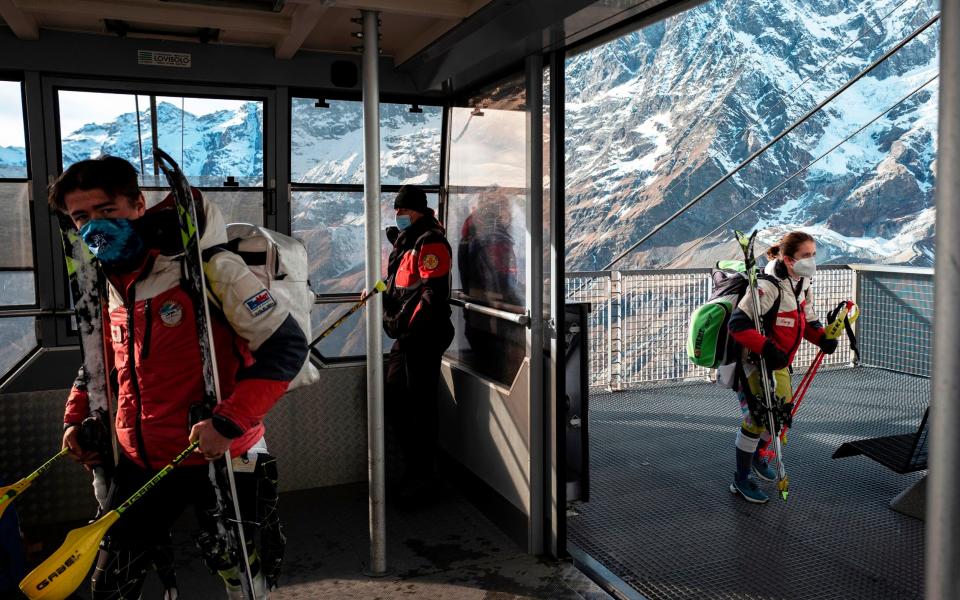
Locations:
(828, 345)
(775, 358)
(392, 234)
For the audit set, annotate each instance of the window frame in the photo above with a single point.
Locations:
(65, 334)
(16, 311)
(440, 188)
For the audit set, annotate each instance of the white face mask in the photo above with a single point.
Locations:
(805, 267)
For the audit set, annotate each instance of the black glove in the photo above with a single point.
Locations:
(828, 345)
(392, 234)
(775, 358)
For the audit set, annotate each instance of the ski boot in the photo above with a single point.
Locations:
(761, 468)
(749, 489)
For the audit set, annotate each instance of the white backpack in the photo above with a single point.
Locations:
(280, 262)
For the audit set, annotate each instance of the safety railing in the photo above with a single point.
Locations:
(896, 331)
(639, 321)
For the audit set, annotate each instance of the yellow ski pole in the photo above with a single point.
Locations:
(8, 493)
(63, 572)
(378, 287)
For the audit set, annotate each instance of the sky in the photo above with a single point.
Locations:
(79, 108)
(11, 114)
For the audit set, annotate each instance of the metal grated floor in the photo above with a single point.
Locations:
(661, 516)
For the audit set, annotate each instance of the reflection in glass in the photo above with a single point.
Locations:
(331, 226)
(326, 144)
(211, 138)
(488, 147)
(13, 151)
(490, 346)
(489, 246)
(486, 226)
(17, 338)
(16, 243)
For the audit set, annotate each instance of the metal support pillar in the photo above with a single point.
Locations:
(943, 512)
(534, 277)
(556, 413)
(374, 313)
(615, 331)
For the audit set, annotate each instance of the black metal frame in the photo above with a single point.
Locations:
(11, 310)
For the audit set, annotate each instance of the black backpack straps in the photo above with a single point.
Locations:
(208, 253)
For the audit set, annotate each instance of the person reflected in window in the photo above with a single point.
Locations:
(416, 314)
(490, 274)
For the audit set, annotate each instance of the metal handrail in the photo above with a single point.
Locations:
(894, 269)
(518, 318)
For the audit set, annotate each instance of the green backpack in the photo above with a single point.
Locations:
(709, 343)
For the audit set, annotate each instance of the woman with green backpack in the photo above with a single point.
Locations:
(792, 266)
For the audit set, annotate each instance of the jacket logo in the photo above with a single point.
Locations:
(785, 322)
(260, 303)
(171, 313)
(116, 334)
(431, 262)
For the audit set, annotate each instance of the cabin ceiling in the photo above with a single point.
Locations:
(286, 26)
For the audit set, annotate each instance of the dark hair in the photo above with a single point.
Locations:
(111, 174)
(788, 245)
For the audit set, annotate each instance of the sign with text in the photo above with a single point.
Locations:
(164, 59)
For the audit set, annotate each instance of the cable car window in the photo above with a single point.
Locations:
(17, 280)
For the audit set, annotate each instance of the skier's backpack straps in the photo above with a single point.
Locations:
(709, 343)
(280, 263)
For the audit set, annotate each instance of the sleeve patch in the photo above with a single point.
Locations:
(260, 302)
(431, 262)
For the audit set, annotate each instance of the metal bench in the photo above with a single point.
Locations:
(905, 453)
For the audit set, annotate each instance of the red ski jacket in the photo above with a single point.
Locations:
(796, 318)
(416, 304)
(153, 349)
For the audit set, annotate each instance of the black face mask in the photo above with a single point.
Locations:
(161, 230)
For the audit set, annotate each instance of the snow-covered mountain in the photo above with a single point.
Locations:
(209, 147)
(655, 117)
(652, 119)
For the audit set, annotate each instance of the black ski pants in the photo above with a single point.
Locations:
(412, 377)
(140, 541)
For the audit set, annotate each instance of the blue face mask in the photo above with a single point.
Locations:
(403, 221)
(113, 241)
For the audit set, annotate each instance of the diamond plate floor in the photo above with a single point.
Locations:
(661, 516)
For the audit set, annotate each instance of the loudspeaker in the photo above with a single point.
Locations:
(344, 74)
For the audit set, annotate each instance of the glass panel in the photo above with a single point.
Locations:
(213, 138)
(326, 144)
(17, 338)
(13, 151)
(490, 346)
(237, 206)
(410, 145)
(16, 249)
(487, 201)
(96, 123)
(488, 236)
(347, 340)
(331, 226)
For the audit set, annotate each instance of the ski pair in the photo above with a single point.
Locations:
(841, 318)
(750, 264)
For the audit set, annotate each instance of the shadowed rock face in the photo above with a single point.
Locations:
(656, 117)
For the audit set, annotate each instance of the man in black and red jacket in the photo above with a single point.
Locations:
(416, 313)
